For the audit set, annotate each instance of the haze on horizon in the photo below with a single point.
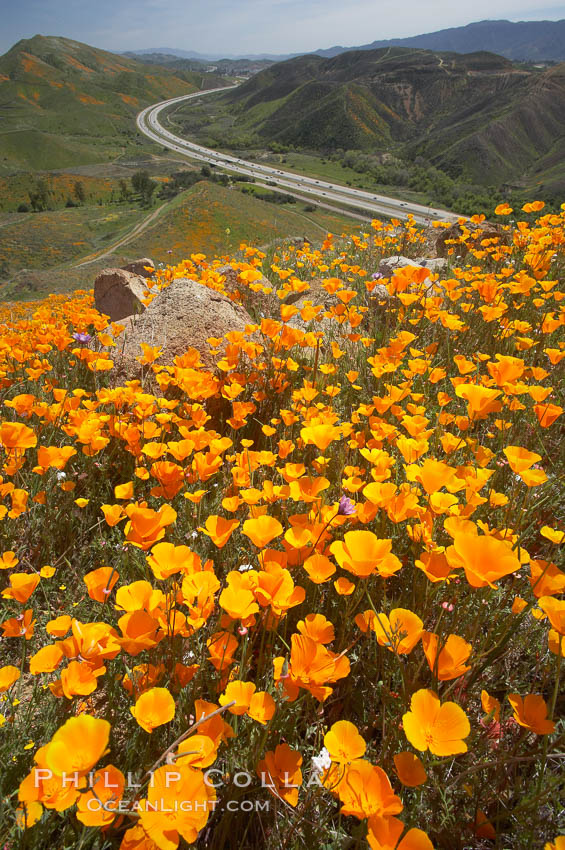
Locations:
(225, 27)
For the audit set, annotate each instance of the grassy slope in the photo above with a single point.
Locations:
(196, 221)
(64, 103)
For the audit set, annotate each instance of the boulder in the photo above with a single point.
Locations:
(119, 293)
(182, 316)
(259, 304)
(318, 296)
(389, 265)
(143, 267)
(484, 230)
(436, 265)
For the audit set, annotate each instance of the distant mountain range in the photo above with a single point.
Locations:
(211, 57)
(522, 41)
(478, 117)
(533, 41)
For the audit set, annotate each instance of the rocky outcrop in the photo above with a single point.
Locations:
(119, 293)
(479, 232)
(389, 265)
(182, 316)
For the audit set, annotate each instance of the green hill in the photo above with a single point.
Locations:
(64, 103)
(478, 117)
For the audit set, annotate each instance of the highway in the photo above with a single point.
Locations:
(330, 193)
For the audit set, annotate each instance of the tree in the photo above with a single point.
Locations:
(124, 191)
(143, 186)
(78, 191)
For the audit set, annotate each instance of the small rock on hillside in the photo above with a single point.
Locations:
(143, 267)
(119, 293)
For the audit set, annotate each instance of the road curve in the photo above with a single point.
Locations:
(340, 196)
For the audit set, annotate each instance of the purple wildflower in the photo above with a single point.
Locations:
(377, 276)
(82, 338)
(346, 507)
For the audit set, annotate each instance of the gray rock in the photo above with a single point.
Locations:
(437, 265)
(143, 267)
(119, 293)
(184, 315)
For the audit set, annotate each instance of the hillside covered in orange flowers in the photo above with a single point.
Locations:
(311, 596)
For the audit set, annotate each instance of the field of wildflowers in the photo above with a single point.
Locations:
(311, 599)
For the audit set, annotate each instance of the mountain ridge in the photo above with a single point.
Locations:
(478, 117)
(517, 40)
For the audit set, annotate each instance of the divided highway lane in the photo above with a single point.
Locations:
(148, 123)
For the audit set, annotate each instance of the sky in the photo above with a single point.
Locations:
(236, 27)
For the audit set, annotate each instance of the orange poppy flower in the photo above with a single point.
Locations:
(46, 659)
(410, 769)
(400, 631)
(491, 706)
(362, 553)
(431, 725)
(311, 667)
(241, 692)
(22, 626)
(77, 745)
(59, 626)
(554, 609)
(100, 583)
(319, 568)
(106, 789)
(344, 743)
(21, 587)
(164, 815)
(520, 461)
(317, 627)
(166, 559)
(79, 679)
(146, 526)
(547, 413)
(8, 561)
(280, 773)
(261, 707)
(365, 790)
(480, 400)
(262, 530)
(450, 662)
(320, 435)
(219, 529)
(139, 631)
(221, 646)
(113, 514)
(16, 435)
(484, 559)
(238, 598)
(8, 675)
(531, 713)
(154, 708)
(384, 834)
(275, 587)
(435, 566)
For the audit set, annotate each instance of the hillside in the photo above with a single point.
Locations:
(521, 40)
(44, 250)
(477, 117)
(65, 103)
